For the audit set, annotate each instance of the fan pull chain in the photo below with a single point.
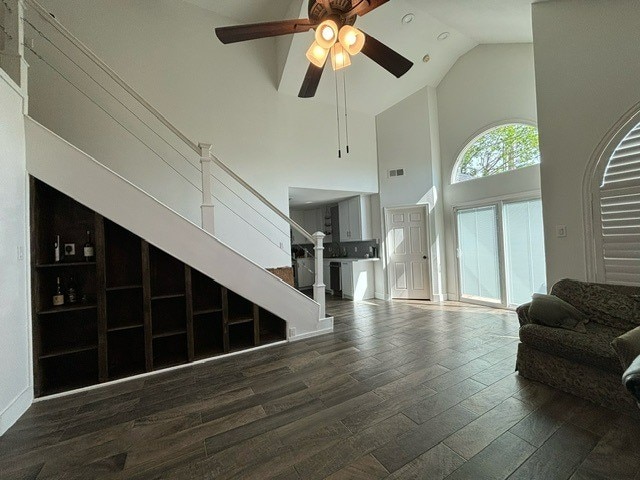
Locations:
(346, 115)
(338, 115)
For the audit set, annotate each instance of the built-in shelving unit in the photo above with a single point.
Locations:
(139, 309)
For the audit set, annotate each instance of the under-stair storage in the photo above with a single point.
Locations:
(128, 308)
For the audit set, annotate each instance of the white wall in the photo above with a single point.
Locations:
(407, 138)
(491, 84)
(225, 95)
(16, 392)
(587, 69)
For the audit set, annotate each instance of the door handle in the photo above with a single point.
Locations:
(424, 257)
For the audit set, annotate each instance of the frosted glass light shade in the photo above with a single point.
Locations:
(339, 57)
(351, 39)
(317, 55)
(327, 34)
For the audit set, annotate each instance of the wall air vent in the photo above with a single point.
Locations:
(396, 173)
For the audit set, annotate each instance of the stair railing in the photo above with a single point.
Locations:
(203, 150)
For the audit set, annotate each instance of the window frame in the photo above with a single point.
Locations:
(591, 183)
(478, 134)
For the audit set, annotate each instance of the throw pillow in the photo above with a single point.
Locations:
(627, 346)
(552, 311)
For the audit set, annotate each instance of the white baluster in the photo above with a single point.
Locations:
(207, 208)
(319, 286)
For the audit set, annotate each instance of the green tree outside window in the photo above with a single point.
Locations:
(501, 149)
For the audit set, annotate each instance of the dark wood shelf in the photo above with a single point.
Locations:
(206, 311)
(168, 297)
(124, 327)
(123, 287)
(69, 351)
(67, 264)
(173, 333)
(240, 320)
(67, 308)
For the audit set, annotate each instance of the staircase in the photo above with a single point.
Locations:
(68, 169)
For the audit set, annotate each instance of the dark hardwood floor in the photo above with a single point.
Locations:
(400, 390)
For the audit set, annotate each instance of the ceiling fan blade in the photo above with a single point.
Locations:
(362, 7)
(311, 81)
(387, 58)
(240, 33)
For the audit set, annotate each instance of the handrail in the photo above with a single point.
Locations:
(260, 197)
(161, 118)
(109, 71)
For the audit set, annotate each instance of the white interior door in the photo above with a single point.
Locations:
(408, 253)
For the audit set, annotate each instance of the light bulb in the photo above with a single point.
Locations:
(351, 39)
(327, 34)
(317, 55)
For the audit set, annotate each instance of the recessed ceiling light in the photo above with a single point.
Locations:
(426, 58)
(443, 36)
(408, 18)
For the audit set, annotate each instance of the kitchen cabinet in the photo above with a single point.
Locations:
(354, 217)
(357, 279)
(312, 221)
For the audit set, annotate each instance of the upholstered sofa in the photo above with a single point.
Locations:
(583, 364)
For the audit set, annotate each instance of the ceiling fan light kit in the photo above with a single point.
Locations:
(333, 22)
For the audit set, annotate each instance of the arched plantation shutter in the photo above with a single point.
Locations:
(620, 212)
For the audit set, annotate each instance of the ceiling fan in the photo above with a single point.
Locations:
(335, 37)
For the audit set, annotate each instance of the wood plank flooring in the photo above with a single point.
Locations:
(402, 390)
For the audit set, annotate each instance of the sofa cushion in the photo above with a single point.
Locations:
(612, 305)
(627, 346)
(590, 349)
(552, 311)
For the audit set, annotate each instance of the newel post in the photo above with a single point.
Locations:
(207, 198)
(319, 286)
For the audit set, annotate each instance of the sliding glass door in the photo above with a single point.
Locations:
(478, 254)
(501, 252)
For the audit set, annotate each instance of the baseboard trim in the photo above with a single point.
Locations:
(316, 333)
(16, 409)
(381, 296)
(440, 297)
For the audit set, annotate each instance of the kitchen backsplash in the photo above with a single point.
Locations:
(353, 249)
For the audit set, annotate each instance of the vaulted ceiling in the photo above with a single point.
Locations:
(370, 88)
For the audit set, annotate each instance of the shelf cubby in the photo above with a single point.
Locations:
(124, 308)
(208, 331)
(168, 315)
(67, 332)
(123, 267)
(170, 351)
(167, 274)
(67, 372)
(272, 328)
(207, 294)
(126, 352)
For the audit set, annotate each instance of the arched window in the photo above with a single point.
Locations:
(619, 222)
(497, 150)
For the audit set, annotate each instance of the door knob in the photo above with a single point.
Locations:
(424, 257)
